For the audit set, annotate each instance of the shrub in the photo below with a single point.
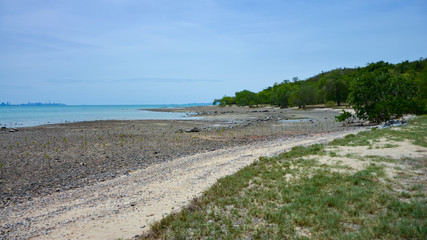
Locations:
(330, 104)
(380, 95)
(343, 116)
(247, 98)
(225, 101)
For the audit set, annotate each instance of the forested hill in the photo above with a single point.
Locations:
(407, 79)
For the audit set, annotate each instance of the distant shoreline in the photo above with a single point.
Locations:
(37, 115)
(7, 104)
(172, 105)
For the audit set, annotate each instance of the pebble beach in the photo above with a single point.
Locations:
(38, 162)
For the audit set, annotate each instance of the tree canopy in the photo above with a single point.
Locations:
(378, 91)
(247, 98)
(378, 95)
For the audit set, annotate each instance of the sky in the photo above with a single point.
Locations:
(106, 52)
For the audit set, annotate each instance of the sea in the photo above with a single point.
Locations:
(27, 116)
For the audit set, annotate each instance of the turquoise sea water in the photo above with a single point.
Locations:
(26, 116)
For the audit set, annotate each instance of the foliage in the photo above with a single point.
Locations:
(280, 95)
(247, 98)
(330, 104)
(380, 95)
(265, 96)
(303, 95)
(335, 85)
(343, 116)
(225, 101)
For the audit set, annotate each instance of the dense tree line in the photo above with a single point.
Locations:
(377, 92)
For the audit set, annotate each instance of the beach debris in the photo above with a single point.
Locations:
(195, 129)
(393, 123)
(10, 129)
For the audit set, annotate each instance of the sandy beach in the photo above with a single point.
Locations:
(109, 179)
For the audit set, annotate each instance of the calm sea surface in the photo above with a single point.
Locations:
(25, 116)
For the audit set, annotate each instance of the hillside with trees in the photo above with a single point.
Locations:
(377, 92)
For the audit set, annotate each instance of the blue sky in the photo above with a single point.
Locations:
(169, 51)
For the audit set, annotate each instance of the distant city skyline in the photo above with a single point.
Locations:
(106, 52)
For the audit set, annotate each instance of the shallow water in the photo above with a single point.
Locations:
(26, 116)
(295, 120)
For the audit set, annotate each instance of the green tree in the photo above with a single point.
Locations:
(280, 94)
(225, 101)
(303, 95)
(379, 95)
(265, 96)
(247, 98)
(421, 81)
(418, 71)
(337, 88)
(334, 86)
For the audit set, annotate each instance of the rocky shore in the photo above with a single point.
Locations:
(45, 160)
(37, 161)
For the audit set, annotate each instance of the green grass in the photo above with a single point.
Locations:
(293, 196)
(416, 132)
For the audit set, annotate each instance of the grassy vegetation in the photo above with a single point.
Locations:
(415, 132)
(295, 196)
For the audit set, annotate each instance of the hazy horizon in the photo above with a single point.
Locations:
(114, 52)
(65, 104)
